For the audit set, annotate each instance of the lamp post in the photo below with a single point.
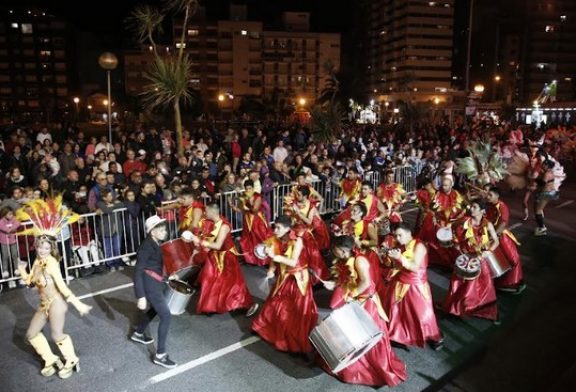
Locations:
(108, 61)
(76, 101)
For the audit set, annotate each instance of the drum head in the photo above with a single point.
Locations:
(444, 234)
(359, 353)
(260, 251)
(188, 274)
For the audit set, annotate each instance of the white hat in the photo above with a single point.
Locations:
(152, 222)
(141, 152)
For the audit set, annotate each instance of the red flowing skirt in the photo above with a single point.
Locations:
(321, 233)
(507, 250)
(473, 298)
(412, 319)
(259, 232)
(379, 366)
(315, 260)
(376, 270)
(224, 291)
(287, 318)
(427, 232)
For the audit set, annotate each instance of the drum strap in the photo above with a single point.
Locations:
(375, 298)
(154, 275)
(512, 236)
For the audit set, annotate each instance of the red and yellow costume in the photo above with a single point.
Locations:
(350, 190)
(408, 301)
(222, 284)
(499, 214)
(289, 313)
(187, 216)
(475, 297)
(255, 229)
(379, 366)
(448, 208)
(392, 196)
(425, 222)
(371, 203)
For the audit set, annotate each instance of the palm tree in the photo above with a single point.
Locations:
(327, 113)
(168, 75)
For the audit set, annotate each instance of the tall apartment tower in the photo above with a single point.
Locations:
(409, 48)
(35, 66)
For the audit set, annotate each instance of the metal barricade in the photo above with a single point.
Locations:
(405, 176)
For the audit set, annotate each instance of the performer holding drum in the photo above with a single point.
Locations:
(392, 196)
(289, 313)
(149, 285)
(407, 298)
(380, 365)
(469, 296)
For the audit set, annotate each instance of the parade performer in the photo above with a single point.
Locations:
(314, 232)
(392, 195)
(474, 297)
(498, 214)
(448, 207)
(191, 210)
(255, 226)
(373, 206)
(407, 298)
(222, 285)
(425, 220)
(350, 187)
(48, 218)
(289, 313)
(149, 285)
(547, 188)
(380, 365)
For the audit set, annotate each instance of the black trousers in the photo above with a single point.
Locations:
(154, 292)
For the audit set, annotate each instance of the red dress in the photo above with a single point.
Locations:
(379, 366)
(371, 203)
(222, 285)
(392, 196)
(426, 231)
(475, 297)
(255, 230)
(447, 207)
(508, 249)
(408, 301)
(289, 313)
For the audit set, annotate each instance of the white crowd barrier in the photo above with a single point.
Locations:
(111, 239)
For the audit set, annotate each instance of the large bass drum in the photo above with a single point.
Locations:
(177, 259)
(178, 295)
(345, 336)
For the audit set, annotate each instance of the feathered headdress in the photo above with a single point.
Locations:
(484, 165)
(47, 216)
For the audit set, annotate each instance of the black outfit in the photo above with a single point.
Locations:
(149, 257)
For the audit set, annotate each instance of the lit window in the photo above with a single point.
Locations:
(446, 5)
(14, 25)
(541, 66)
(26, 28)
(180, 45)
(549, 28)
(192, 32)
(243, 32)
(45, 53)
(563, 18)
(432, 3)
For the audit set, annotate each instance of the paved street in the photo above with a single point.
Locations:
(219, 352)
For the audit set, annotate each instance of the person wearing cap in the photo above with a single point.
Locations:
(149, 287)
(131, 164)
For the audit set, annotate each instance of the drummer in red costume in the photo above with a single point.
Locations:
(223, 288)
(448, 207)
(474, 297)
(301, 181)
(380, 365)
(392, 196)
(407, 298)
(350, 187)
(373, 206)
(498, 214)
(191, 210)
(255, 227)
(289, 313)
(425, 220)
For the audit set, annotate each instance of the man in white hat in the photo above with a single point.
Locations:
(149, 287)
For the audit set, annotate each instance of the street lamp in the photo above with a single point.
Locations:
(302, 101)
(108, 61)
(479, 88)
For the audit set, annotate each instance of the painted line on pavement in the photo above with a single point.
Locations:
(111, 289)
(515, 225)
(566, 203)
(202, 360)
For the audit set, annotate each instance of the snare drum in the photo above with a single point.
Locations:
(445, 237)
(345, 336)
(176, 254)
(497, 267)
(466, 267)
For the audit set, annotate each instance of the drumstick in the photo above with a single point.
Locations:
(317, 277)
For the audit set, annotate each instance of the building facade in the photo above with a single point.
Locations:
(35, 67)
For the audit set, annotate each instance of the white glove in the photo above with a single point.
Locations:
(142, 303)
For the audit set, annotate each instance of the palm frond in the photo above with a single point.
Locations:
(144, 21)
(169, 82)
(176, 6)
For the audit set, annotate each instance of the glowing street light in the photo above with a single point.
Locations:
(221, 97)
(105, 102)
(108, 61)
(302, 101)
(436, 100)
(497, 78)
(479, 88)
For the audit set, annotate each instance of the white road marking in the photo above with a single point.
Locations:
(515, 225)
(566, 203)
(202, 360)
(111, 289)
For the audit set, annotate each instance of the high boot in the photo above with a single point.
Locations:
(72, 361)
(51, 361)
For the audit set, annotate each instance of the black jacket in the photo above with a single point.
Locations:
(148, 257)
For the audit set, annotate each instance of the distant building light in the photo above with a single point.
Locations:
(393, 68)
(447, 5)
(441, 89)
(29, 12)
(541, 66)
(454, 77)
(568, 79)
(375, 90)
(396, 110)
(150, 48)
(14, 25)
(415, 89)
(243, 32)
(180, 45)
(193, 32)
(27, 28)
(549, 28)
(11, 11)
(563, 18)
(432, 3)
(383, 32)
